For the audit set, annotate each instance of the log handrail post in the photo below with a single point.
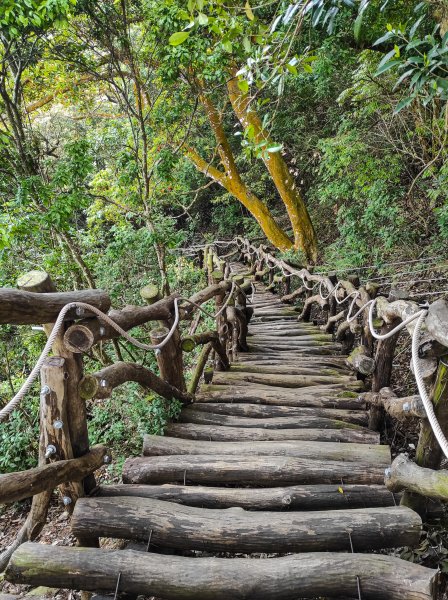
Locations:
(428, 452)
(54, 443)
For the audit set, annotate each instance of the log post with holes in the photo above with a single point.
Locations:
(40, 282)
(55, 444)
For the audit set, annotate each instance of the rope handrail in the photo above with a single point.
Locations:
(80, 308)
(355, 296)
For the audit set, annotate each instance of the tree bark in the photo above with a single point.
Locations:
(23, 484)
(237, 530)
(31, 308)
(299, 497)
(303, 230)
(256, 470)
(381, 577)
(102, 383)
(82, 336)
(219, 433)
(406, 475)
(156, 445)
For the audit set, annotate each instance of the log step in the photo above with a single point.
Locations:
(197, 431)
(299, 497)
(156, 445)
(191, 415)
(358, 417)
(286, 578)
(283, 380)
(321, 397)
(238, 530)
(248, 470)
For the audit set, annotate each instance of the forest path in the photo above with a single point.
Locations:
(273, 461)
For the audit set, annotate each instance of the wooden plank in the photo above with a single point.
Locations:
(238, 530)
(237, 409)
(30, 308)
(247, 470)
(222, 433)
(190, 415)
(299, 497)
(318, 396)
(23, 484)
(283, 380)
(156, 445)
(381, 577)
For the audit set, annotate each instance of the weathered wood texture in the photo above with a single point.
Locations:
(381, 577)
(236, 530)
(198, 431)
(236, 409)
(88, 332)
(102, 383)
(406, 475)
(54, 427)
(317, 396)
(256, 470)
(299, 497)
(23, 484)
(190, 415)
(30, 308)
(155, 445)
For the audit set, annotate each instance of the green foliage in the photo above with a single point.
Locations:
(363, 193)
(121, 421)
(19, 436)
(19, 16)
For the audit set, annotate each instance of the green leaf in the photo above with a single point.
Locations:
(307, 68)
(357, 27)
(387, 66)
(246, 44)
(275, 148)
(202, 19)
(178, 38)
(249, 13)
(227, 45)
(243, 85)
(292, 69)
(403, 103)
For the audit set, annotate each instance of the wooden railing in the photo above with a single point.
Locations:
(66, 460)
(323, 295)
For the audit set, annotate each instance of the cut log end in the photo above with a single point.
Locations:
(150, 293)
(78, 338)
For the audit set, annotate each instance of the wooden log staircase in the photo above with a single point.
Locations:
(270, 486)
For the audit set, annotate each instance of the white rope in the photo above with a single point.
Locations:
(427, 403)
(15, 401)
(415, 336)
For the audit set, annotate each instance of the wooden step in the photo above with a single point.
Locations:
(297, 369)
(190, 415)
(238, 530)
(323, 350)
(283, 380)
(156, 445)
(299, 497)
(248, 470)
(197, 431)
(359, 417)
(318, 396)
(307, 575)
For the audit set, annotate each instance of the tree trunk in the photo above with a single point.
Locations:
(304, 234)
(237, 530)
(302, 575)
